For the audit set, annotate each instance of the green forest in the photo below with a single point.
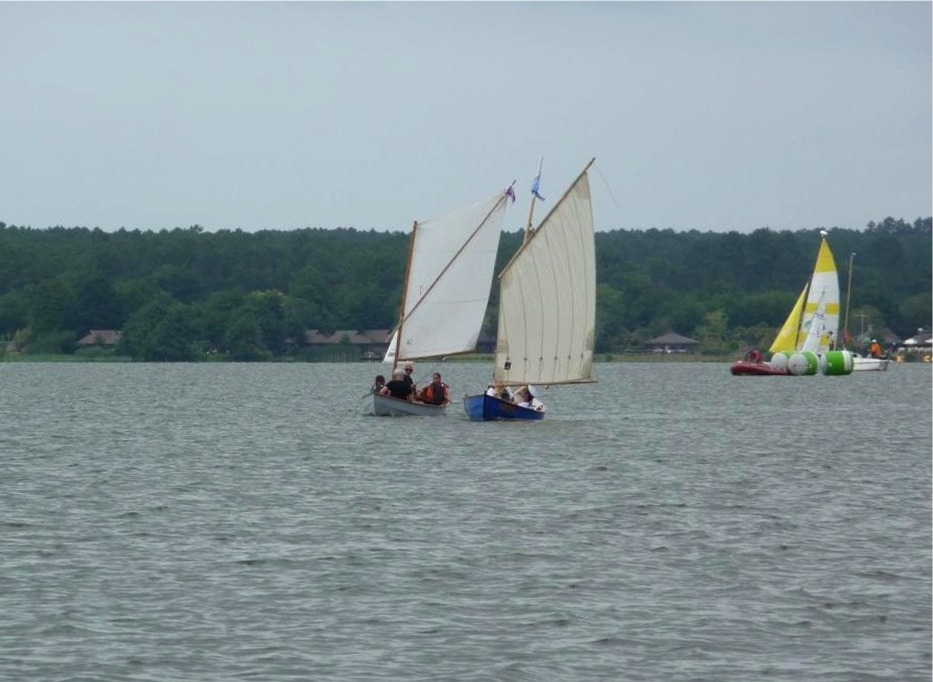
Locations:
(187, 294)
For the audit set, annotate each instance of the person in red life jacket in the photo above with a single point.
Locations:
(435, 393)
(398, 387)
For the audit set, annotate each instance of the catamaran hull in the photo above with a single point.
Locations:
(488, 408)
(387, 406)
(756, 369)
(837, 363)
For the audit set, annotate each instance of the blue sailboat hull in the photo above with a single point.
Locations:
(488, 408)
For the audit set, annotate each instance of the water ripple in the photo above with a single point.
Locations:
(222, 522)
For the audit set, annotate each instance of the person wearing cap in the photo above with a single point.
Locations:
(875, 349)
(398, 387)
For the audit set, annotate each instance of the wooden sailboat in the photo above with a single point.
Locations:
(547, 309)
(806, 342)
(448, 277)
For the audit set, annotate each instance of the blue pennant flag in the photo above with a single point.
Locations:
(534, 187)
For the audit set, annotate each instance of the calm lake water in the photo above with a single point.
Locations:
(672, 522)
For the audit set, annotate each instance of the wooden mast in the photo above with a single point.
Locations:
(531, 208)
(401, 312)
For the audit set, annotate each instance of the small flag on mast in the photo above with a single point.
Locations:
(510, 193)
(534, 187)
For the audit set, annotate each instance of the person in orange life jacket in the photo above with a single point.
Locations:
(435, 393)
(398, 387)
(875, 349)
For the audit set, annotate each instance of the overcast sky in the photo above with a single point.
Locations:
(281, 115)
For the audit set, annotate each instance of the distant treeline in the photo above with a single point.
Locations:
(185, 294)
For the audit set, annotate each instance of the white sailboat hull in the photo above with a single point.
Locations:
(387, 406)
(860, 364)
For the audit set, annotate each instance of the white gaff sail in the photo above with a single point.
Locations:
(547, 298)
(449, 278)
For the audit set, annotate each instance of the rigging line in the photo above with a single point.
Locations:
(608, 186)
(845, 325)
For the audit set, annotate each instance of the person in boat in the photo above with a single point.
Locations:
(378, 384)
(435, 393)
(875, 349)
(501, 393)
(754, 355)
(398, 387)
(409, 369)
(522, 397)
(497, 390)
(526, 397)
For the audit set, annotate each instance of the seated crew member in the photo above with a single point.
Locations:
(398, 387)
(435, 393)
